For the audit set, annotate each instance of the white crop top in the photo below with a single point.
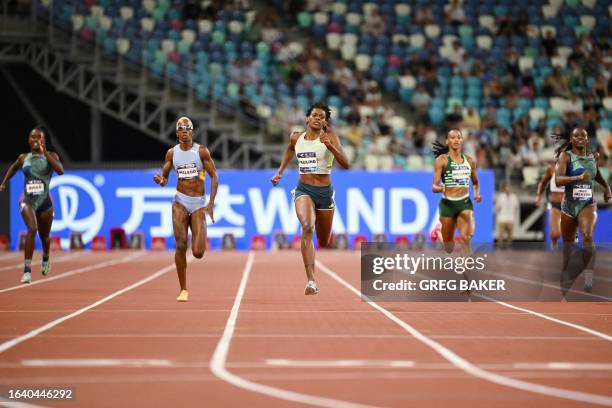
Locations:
(313, 156)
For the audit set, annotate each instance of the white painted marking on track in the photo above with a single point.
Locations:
(74, 272)
(96, 362)
(467, 366)
(564, 366)
(17, 404)
(552, 319)
(219, 359)
(548, 285)
(33, 333)
(281, 362)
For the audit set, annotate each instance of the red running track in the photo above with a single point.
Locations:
(108, 326)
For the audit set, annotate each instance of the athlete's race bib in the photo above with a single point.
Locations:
(582, 192)
(307, 162)
(35, 187)
(187, 171)
(461, 176)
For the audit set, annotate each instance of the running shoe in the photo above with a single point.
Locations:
(311, 288)
(26, 278)
(183, 296)
(45, 268)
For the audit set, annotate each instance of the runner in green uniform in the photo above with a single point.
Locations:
(576, 170)
(452, 174)
(35, 205)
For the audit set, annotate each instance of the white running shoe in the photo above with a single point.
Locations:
(26, 278)
(311, 288)
(45, 268)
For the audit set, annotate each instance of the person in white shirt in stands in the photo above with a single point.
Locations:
(507, 212)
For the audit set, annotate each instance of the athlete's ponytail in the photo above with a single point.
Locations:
(439, 148)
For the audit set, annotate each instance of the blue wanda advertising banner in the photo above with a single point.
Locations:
(394, 203)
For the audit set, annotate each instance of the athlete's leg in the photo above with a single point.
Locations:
(569, 226)
(29, 218)
(448, 233)
(180, 221)
(587, 218)
(323, 226)
(44, 221)
(198, 233)
(304, 208)
(554, 220)
(466, 225)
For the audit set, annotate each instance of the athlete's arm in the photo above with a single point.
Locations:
(52, 158)
(560, 178)
(330, 140)
(162, 179)
(289, 153)
(603, 183)
(12, 170)
(474, 176)
(209, 166)
(440, 164)
(542, 184)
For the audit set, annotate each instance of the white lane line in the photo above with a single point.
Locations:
(282, 362)
(17, 404)
(552, 319)
(33, 333)
(9, 255)
(219, 359)
(548, 285)
(75, 272)
(66, 257)
(96, 362)
(559, 365)
(468, 367)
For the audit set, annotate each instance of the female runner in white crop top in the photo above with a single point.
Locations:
(189, 206)
(314, 204)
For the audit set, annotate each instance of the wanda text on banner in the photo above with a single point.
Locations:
(394, 203)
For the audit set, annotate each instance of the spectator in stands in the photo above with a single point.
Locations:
(533, 154)
(423, 15)
(600, 87)
(556, 84)
(370, 127)
(375, 23)
(493, 88)
(471, 120)
(353, 116)
(489, 120)
(373, 96)
(421, 100)
(549, 43)
(269, 33)
(454, 12)
(574, 104)
(575, 76)
(379, 153)
(456, 53)
(453, 119)
(507, 211)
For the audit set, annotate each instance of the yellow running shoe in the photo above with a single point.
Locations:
(183, 297)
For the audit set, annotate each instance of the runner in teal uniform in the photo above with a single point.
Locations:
(576, 170)
(36, 206)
